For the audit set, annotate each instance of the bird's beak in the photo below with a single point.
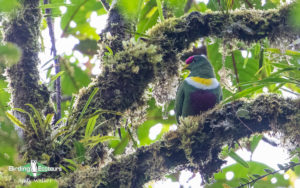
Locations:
(185, 66)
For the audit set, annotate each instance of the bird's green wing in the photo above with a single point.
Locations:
(179, 102)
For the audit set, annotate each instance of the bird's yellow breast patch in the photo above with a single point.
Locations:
(204, 81)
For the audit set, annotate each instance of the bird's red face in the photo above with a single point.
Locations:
(188, 61)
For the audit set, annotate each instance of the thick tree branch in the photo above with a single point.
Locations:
(170, 38)
(197, 143)
(105, 5)
(244, 25)
(23, 30)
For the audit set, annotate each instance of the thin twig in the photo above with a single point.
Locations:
(261, 58)
(268, 141)
(271, 173)
(236, 71)
(56, 62)
(188, 5)
(105, 5)
(286, 90)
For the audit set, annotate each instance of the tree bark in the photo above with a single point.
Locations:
(23, 30)
(197, 143)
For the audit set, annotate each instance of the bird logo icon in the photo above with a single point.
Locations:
(34, 168)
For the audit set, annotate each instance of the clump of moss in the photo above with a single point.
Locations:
(291, 130)
(122, 84)
(167, 75)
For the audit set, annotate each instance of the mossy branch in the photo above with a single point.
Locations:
(122, 89)
(244, 25)
(197, 143)
(23, 29)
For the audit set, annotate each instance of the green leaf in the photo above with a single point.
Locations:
(7, 154)
(80, 151)
(49, 61)
(154, 116)
(55, 5)
(148, 18)
(60, 120)
(92, 141)
(32, 122)
(64, 168)
(256, 175)
(10, 53)
(71, 162)
(6, 6)
(281, 167)
(78, 13)
(268, 170)
(87, 46)
(58, 134)
(243, 93)
(87, 103)
(244, 180)
(111, 53)
(107, 138)
(120, 148)
(287, 52)
(176, 6)
(254, 142)
(276, 81)
(130, 9)
(240, 172)
(36, 113)
(238, 159)
(90, 126)
(15, 120)
(71, 167)
(56, 76)
(8, 144)
(48, 120)
(39, 117)
(160, 10)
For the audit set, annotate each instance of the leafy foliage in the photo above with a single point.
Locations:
(242, 175)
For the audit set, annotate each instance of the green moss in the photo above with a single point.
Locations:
(291, 130)
(243, 113)
(122, 84)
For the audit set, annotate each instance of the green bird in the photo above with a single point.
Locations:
(200, 91)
